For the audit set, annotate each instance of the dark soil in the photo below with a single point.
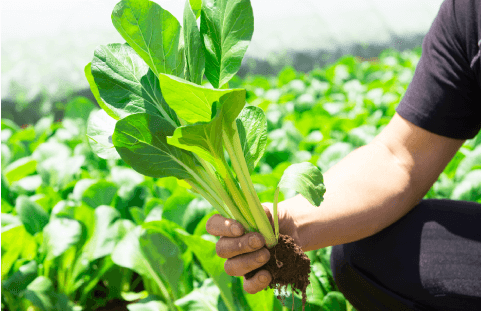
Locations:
(288, 265)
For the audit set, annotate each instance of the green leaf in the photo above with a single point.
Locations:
(105, 234)
(126, 84)
(6, 154)
(164, 256)
(252, 128)
(79, 107)
(27, 184)
(306, 179)
(100, 193)
(148, 304)
(51, 149)
(59, 235)
(80, 187)
(20, 169)
(6, 192)
(211, 263)
(41, 293)
(315, 292)
(150, 254)
(469, 189)
(334, 301)
(126, 179)
(203, 139)
(333, 154)
(137, 214)
(191, 102)
(467, 164)
(100, 128)
(226, 28)
(140, 139)
(152, 32)
(95, 91)
(176, 207)
(11, 238)
(10, 124)
(263, 300)
(33, 217)
(58, 171)
(205, 298)
(196, 6)
(9, 220)
(18, 282)
(195, 64)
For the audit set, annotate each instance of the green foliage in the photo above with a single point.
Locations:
(100, 229)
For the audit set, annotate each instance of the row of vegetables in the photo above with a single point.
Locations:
(84, 233)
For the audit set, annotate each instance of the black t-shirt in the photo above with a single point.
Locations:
(444, 96)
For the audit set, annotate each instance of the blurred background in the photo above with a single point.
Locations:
(328, 76)
(46, 44)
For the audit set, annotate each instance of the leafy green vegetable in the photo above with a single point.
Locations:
(170, 126)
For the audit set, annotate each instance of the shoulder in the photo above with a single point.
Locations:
(463, 17)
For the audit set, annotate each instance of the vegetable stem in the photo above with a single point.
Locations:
(218, 186)
(237, 195)
(217, 205)
(234, 149)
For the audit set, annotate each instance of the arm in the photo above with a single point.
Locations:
(368, 190)
(374, 186)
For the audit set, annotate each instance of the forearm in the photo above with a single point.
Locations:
(365, 192)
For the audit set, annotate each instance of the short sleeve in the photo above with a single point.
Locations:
(444, 96)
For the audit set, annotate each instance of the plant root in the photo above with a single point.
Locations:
(288, 264)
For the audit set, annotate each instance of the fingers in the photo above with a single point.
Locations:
(245, 263)
(219, 226)
(257, 283)
(231, 247)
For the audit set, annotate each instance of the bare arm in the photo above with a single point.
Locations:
(373, 186)
(367, 191)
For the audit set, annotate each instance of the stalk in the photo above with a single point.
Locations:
(210, 175)
(218, 206)
(227, 200)
(238, 213)
(237, 195)
(234, 149)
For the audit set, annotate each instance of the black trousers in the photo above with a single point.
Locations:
(430, 259)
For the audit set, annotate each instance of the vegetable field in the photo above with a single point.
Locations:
(83, 233)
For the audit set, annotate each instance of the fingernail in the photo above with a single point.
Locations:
(262, 278)
(235, 230)
(254, 242)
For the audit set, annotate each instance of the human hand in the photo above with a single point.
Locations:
(247, 252)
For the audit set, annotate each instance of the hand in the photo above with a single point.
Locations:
(246, 252)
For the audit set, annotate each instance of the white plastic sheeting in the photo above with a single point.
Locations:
(46, 44)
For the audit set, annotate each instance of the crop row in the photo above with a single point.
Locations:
(81, 232)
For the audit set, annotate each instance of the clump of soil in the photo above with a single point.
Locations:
(288, 264)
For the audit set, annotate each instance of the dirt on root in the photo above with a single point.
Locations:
(288, 265)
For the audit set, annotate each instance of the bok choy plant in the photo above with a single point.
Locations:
(158, 117)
